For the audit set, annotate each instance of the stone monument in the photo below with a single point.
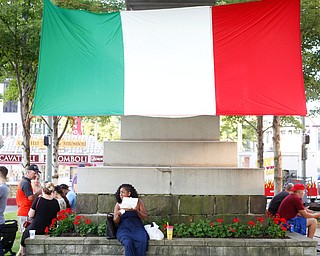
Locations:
(178, 165)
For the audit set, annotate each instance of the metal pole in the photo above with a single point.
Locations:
(49, 150)
(239, 143)
(303, 150)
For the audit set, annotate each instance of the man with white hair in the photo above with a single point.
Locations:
(278, 198)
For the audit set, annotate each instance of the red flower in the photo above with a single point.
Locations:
(68, 210)
(220, 220)
(78, 217)
(46, 230)
(164, 225)
(261, 219)
(283, 220)
(232, 230)
(53, 221)
(61, 216)
(211, 224)
(88, 221)
(251, 223)
(283, 228)
(235, 220)
(76, 222)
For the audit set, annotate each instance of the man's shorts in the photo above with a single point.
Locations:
(300, 224)
(21, 221)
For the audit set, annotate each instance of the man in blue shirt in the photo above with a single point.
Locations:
(71, 196)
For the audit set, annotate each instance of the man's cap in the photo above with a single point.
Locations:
(298, 186)
(64, 186)
(34, 167)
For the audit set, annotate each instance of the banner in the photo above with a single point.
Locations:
(240, 59)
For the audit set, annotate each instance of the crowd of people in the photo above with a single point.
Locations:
(288, 204)
(39, 203)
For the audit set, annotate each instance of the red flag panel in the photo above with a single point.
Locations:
(257, 58)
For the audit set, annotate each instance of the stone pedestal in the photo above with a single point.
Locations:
(149, 141)
(180, 168)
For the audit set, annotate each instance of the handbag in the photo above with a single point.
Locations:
(29, 221)
(111, 232)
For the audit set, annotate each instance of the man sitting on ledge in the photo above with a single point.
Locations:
(293, 210)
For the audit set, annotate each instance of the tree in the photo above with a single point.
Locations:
(103, 127)
(20, 23)
(310, 31)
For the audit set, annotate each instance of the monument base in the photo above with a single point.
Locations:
(180, 194)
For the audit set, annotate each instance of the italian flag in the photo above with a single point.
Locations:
(240, 59)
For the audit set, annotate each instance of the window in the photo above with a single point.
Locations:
(10, 107)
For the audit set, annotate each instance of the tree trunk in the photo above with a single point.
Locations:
(260, 145)
(277, 155)
(25, 118)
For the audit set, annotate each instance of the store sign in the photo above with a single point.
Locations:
(16, 158)
(64, 143)
(96, 159)
(73, 159)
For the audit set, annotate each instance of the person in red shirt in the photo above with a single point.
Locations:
(25, 195)
(293, 210)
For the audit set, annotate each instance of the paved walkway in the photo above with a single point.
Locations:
(14, 208)
(317, 238)
(11, 208)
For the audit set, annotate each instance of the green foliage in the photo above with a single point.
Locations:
(20, 23)
(92, 6)
(102, 227)
(218, 229)
(310, 31)
(229, 129)
(106, 127)
(63, 224)
(11, 93)
(277, 227)
(68, 223)
(84, 226)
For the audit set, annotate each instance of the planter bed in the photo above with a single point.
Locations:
(295, 245)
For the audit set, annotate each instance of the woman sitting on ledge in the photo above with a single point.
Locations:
(131, 233)
(44, 208)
